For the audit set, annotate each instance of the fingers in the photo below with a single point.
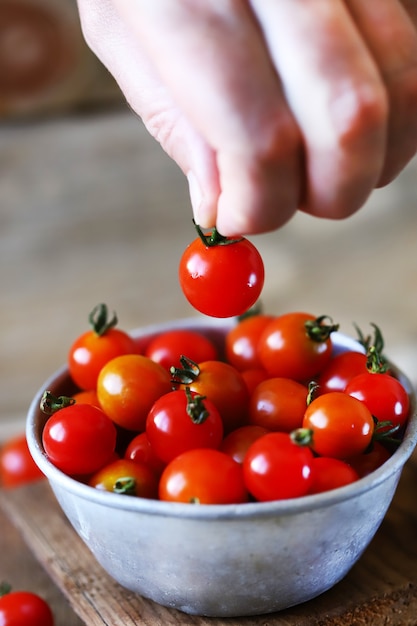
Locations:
(213, 63)
(337, 96)
(391, 36)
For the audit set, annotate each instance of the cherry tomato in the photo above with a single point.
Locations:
(241, 342)
(87, 396)
(94, 348)
(181, 420)
(126, 477)
(340, 370)
(371, 459)
(296, 345)
(24, 608)
(341, 426)
(278, 404)
(237, 443)
(79, 439)
(276, 468)
(17, 466)
(140, 450)
(203, 476)
(167, 347)
(253, 377)
(219, 382)
(329, 473)
(128, 386)
(384, 395)
(221, 276)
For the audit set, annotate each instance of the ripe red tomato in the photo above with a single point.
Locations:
(221, 276)
(341, 426)
(340, 370)
(241, 342)
(203, 476)
(128, 386)
(17, 466)
(24, 608)
(328, 473)
(126, 477)
(87, 396)
(278, 404)
(296, 345)
(79, 439)
(140, 450)
(253, 377)
(237, 443)
(276, 468)
(222, 384)
(94, 348)
(167, 347)
(384, 395)
(181, 420)
(370, 460)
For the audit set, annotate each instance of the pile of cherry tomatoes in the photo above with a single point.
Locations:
(272, 413)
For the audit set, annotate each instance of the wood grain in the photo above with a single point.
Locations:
(380, 589)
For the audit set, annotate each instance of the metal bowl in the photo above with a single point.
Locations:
(225, 560)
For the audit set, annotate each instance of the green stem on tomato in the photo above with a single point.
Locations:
(187, 373)
(318, 331)
(195, 407)
(214, 238)
(99, 319)
(5, 588)
(50, 403)
(125, 485)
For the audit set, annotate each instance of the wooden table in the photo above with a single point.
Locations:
(92, 210)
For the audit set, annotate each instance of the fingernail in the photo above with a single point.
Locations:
(196, 195)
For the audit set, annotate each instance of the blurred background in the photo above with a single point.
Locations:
(92, 210)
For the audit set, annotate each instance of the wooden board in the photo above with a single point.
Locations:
(381, 589)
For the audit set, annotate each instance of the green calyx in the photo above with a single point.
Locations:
(186, 374)
(99, 319)
(50, 403)
(125, 485)
(214, 238)
(195, 407)
(320, 331)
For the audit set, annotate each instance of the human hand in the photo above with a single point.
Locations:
(268, 106)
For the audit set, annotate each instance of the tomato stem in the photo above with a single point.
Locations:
(125, 485)
(318, 331)
(302, 436)
(99, 319)
(5, 588)
(195, 407)
(214, 238)
(50, 404)
(313, 387)
(187, 373)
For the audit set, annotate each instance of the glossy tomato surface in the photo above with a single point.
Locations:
(126, 477)
(168, 347)
(222, 280)
(24, 608)
(17, 466)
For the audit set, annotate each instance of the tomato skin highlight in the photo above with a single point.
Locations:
(341, 425)
(237, 443)
(340, 370)
(286, 350)
(222, 280)
(276, 468)
(171, 431)
(384, 395)
(140, 450)
(79, 439)
(128, 386)
(17, 466)
(241, 342)
(190, 478)
(23, 608)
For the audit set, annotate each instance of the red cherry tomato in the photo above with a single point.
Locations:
(253, 377)
(296, 345)
(182, 420)
(276, 468)
(384, 395)
(17, 466)
(79, 439)
(167, 347)
(340, 370)
(241, 342)
(221, 276)
(341, 426)
(87, 396)
(140, 450)
(128, 386)
(126, 477)
(278, 404)
(371, 459)
(94, 348)
(203, 476)
(24, 608)
(237, 443)
(222, 384)
(328, 473)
